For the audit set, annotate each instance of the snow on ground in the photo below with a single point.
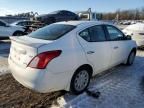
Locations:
(121, 26)
(4, 51)
(120, 87)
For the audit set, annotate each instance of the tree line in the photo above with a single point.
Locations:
(131, 14)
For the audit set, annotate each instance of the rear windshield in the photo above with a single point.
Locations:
(52, 32)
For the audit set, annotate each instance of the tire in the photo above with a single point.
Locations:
(18, 33)
(80, 81)
(131, 58)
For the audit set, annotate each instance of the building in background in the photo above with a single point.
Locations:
(87, 15)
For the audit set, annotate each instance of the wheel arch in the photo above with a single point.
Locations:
(134, 49)
(16, 32)
(88, 66)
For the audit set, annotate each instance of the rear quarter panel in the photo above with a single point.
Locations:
(72, 54)
(67, 63)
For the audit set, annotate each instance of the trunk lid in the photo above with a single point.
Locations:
(24, 48)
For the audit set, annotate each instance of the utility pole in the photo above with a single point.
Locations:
(90, 13)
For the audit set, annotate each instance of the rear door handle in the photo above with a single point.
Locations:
(90, 52)
(116, 47)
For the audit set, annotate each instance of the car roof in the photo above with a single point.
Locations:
(82, 23)
(55, 12)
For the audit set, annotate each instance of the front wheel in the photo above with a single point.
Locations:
(131, 58)
(80, 81)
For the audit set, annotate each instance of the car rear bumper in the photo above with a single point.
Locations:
(36, 79)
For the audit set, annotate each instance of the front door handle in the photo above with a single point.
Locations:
(90, 52)
(116, 47)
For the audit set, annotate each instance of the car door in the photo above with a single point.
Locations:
(70, 16)
(96, 47)
(60, 16)
(119, 45)
(63, 16)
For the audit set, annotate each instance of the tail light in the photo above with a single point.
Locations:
(41, 60)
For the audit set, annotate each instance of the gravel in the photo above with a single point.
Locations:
(14, 95)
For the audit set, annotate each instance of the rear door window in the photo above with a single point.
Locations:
(52, 32)
(93, 34)
(97, 34)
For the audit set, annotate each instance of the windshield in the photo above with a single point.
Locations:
(52, 32)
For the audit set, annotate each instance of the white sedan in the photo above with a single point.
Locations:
(65, 55)
(7, 30)
(136, 31)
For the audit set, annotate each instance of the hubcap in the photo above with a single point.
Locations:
(131, 59)
(81, 80)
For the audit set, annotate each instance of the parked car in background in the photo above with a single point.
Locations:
(28, 25)
(57, 16)
(136, 31)
(126, 23)
(65, 55)
(7, 30)
(23, 23)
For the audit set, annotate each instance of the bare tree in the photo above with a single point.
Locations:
(133, 14)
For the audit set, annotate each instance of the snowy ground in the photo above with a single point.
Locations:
(120, 87)
(121, 26)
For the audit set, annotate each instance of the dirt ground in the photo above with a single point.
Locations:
(14, 95)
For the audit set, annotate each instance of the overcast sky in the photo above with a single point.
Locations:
(46, 6)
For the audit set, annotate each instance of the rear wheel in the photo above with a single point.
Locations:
(131, 58)
(18, 33)
(80, 81)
